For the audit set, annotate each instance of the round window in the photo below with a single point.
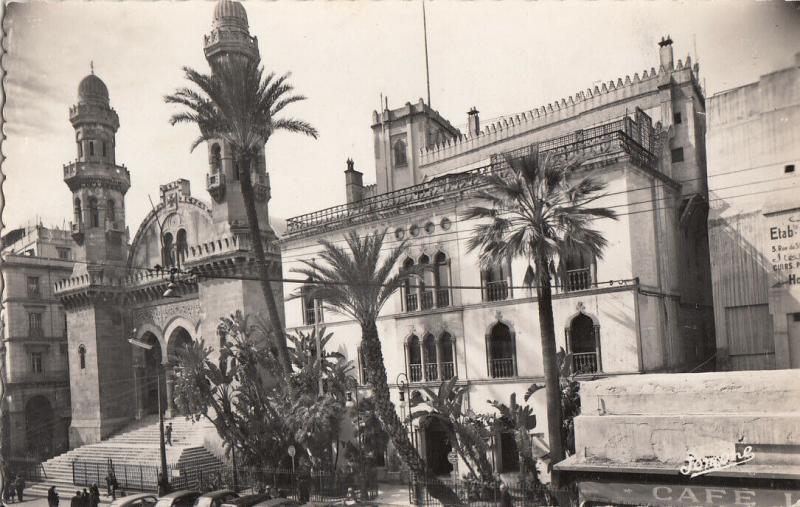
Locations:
(429, 227)
(399, 233)
(445, 223)
(414, 230)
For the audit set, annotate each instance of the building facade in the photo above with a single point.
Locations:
(753, 223)
(124, 327)
(644, 307)
(37, 405)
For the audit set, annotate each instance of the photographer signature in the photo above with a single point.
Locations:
(702, 465)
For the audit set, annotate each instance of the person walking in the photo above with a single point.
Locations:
(10, 492)
(19, 484)
(52, 497)
(94, 496)
(168, 434)
(77, 500)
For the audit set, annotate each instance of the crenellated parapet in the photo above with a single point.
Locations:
(566, 108)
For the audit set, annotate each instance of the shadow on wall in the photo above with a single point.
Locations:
(740, 281)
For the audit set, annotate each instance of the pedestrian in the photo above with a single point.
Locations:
(505, 496)
(111, 484)
(94, 496)
(163, 485)
(52, 497)
(77, 500)
(19, 484)
(10, 491)
(168, 434)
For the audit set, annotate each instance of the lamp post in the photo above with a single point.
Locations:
(405, 397)
(162, 448)
(351, 405)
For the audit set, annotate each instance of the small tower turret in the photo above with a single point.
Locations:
(97, 183)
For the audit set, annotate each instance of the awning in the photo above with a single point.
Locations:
(672, 495)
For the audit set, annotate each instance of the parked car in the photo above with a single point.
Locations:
(247, 500)
(140, 500)
(215, 498)
(183, 498)
(278, 502)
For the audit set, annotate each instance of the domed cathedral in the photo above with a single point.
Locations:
(127, 321)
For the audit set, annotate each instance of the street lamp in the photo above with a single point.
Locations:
(161, 445)
(405, 394)
(351, 405)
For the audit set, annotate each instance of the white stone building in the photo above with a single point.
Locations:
(644, 307)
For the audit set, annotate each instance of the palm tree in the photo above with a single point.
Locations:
(357, 283)
(240, 105)
(538, 212)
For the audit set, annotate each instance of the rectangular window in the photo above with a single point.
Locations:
(36, 363)
(34, 324)
(678, 118)
(677, 155)
(788, 169)
(33, 287)
(64, 253)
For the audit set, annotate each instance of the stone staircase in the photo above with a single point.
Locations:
(135, 456)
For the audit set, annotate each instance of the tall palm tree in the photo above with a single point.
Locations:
(240, 105)
(357, 282)
(538, 211)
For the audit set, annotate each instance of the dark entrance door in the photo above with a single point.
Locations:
(437, 447)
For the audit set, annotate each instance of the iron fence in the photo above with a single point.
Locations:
(461, 492)
(30, 470)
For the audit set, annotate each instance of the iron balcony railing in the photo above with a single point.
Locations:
(497, 291)
(416, 372)
(431, 371)
(584, 362)
(427, 300)
(636, 138)
(448, 370)
(442, 298)
(578, 279)
(502, 368)
(411, 303)
(313, 315)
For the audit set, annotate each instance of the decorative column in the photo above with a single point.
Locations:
(170, 379)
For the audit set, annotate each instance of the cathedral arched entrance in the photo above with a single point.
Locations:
(178, 340)
(437, 445)
(39, 426)
(151, 373)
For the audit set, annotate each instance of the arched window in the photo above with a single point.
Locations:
(431, 358)
(94, 213)
(577, 271)
(77, 210)
(110, 212)
(82, 356)
(584, 344)
(167, 254)
(409, 291)
(312, 307)
(181, 246)
(425, 289)
(414, 354)
(447, 356)
(80, 149)
(91, 148)
(216, 158)
(502, 354)
(442, 280)
(399, 150)
(497, 281)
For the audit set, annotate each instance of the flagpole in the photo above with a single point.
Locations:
(427, 67)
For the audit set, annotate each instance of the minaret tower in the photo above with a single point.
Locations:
(101, 376)
(97, 183)
(230, 40)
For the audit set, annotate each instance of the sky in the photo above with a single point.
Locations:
(503, 58)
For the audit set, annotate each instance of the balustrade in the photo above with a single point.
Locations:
(502, 368)
(416, 372)
(427, 300)
(411, 303)
(442, 298)
(497, 291)
(584, 362)
(578, 279)
(448, 370)
(431, 371)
